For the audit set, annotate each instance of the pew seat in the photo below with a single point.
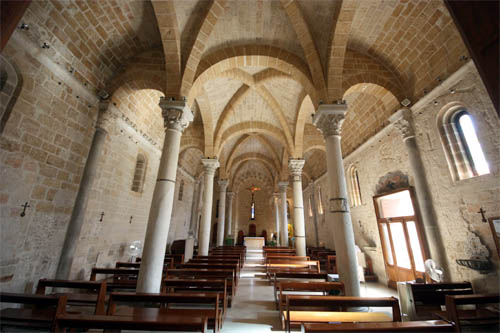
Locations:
(395, 326)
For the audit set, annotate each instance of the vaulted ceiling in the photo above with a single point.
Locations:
(255, 71)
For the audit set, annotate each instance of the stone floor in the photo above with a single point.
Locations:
(253, 310)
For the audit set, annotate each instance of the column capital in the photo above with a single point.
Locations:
(329, 118)
(104, 116)
(296, 167)
(230, 195)
(283, 186)
(223, 184)
(176, 114)
(210, 165)
(403, 121)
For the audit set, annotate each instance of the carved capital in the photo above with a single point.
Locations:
(403, 121)
(210, 165)
(230, 196)
(329, 118)
(105, 116)
(283, 186)
(295, 167)
(223, 184)
(176, 114)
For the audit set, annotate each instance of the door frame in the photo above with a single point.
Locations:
(395, 270)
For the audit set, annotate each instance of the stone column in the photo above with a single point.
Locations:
(328, 119)
(295, 167)
(82, 197)
(314, 210)
(236, 217)
(276, 197)
(403, 121)
(189, 244)
(176, 115)
(199, 208)
(284, 218)
(222, 211)
(210, 166)
(230, 196)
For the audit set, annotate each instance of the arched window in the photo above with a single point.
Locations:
(320, 202)
(310, 207)
(181, 190)
(10, 87)
(462, 147)
(139, 174)
(355, 192)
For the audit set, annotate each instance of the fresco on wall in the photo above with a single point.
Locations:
(391, 181)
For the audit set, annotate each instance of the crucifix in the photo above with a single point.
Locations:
(253, 189)
(23, 213)
(102, 215)
(482, 211)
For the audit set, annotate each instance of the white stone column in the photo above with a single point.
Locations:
(295, 167)
(210, 166)
(328, 119)
(314, 210)
(403, 121)
(236, 217)
(230, 197)
(222, 211)
(189, 244)
(199, 209)
(284, 218)
(276, 197)
(82, 197)
(177, 115)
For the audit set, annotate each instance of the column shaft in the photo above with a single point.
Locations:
(314, 210)
(284, 217)
(298, 206)
(81, 201)
(210, 166)
(176, 116)
(329, 119)
(222, 212)
(277, 217)
(230, 196)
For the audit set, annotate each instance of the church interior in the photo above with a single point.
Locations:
(249, 165)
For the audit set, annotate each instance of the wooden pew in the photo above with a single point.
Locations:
(279, 265)
(421, 301)
(201, 285)
(213, 266)
(216, 261)
(165, 323)
(241, 255)
(95, 293)
(297, 277)
(119, 275)
(326, 309)
(288, 287)
(177, 259)
(331, 264)
(223, 257)
(394, 326)
(168, 263)
(180, 300)
(472, 317)
(285, 257)
(39, 311)
(208, 274)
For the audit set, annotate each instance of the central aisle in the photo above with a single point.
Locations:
(253, 308)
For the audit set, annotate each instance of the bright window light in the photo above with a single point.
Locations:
(473, 144)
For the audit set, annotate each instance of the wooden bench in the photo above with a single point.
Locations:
(119, 275)
(288, 287)
(331, 264)
(420, 301)
(240, 255)
(95, 293)
(472, 317)
(297, 277)
(223, 257)
(211, 265)
(326, 309)
(39, 311)
(395, 326)
(176, 258)
(201, 285)
(280, 265)
(169, 304)
(200, 273)
(165, 323)
(168, 263)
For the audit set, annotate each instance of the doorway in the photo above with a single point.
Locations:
(400, 235)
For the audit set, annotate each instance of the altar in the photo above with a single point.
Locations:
(254, 243)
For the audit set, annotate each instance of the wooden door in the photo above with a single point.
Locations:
(400, 235)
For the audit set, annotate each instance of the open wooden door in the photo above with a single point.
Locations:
(400, 235)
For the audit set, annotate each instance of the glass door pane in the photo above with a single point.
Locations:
(400, 248)
(396, 204)
(415, 246)
(387, 243)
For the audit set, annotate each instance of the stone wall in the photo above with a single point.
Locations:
(456, 203)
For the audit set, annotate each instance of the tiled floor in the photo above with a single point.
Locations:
(253, 308)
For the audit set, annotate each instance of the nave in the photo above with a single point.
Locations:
(238, 290)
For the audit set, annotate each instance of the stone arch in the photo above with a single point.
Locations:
(252, 156)
(11, 83)
(306, 106)
(387, 97)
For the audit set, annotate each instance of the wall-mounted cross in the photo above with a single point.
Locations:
(130, 220)
(482, 211)
(102, 215)
(23, 213)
